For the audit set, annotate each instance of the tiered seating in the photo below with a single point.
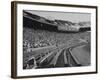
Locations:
(40, 39)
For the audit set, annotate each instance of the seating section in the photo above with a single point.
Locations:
(42, 39)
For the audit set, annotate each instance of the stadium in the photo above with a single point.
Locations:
(55, 43)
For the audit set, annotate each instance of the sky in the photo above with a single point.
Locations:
(70, 16)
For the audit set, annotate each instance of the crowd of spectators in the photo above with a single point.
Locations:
(41, 38)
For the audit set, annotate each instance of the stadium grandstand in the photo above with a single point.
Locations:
(46, 42)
